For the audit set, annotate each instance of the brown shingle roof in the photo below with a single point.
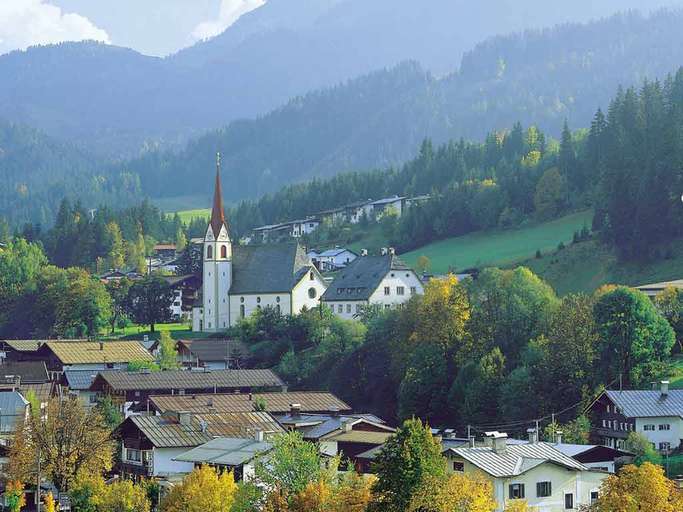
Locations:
(90, 352)
(275, 402)
(186, 379)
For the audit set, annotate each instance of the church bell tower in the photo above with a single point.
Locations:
(217, 269)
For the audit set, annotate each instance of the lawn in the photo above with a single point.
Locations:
(137, 332)
(186, 216)
(499, 248)
(677, 378)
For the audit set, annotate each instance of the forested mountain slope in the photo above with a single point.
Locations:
(539, 78)
(118, 102)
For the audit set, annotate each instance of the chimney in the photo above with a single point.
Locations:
(209, 402)
(533, 438)
(347, 426)
(259, 435)
(295, 410)
(101, 345)
(558, 437)
(392, 251)
(655, 385)
(184, 418)
(471, 440)
(665, 388)
(334, 411)
(384, 251)
(498, 441)
(363, 252)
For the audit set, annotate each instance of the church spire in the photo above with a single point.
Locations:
(217, 213)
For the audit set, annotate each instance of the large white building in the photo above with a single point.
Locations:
(238, 280)
(384, 280)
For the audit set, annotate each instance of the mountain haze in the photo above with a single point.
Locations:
(118, 102)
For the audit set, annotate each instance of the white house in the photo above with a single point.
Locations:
(384, 280)
(547, 479)
(657, 414)
(332, 259)
(238, 280)
(396, 204)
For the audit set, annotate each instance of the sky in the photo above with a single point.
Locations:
(152, 27)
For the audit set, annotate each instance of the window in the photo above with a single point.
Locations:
(224, 251)
(311, 276)
(340, 308)
(400, 290)
(387, 306)
(544, 489)
(312, 293)
(242, 312)
(568, 501)
(413, 290)
(176, 303)
(258, 300)
(664, 447)
(459, 466)
(664, 426)
(242, 300)
(393, 275)
(594, 497)
(648, 427)
(209, 252)
(133, 455)
(277, 299)
(516, 491)
(340, 291)
(348, 308)
(387, 290)
(278, 309)
(604, 424)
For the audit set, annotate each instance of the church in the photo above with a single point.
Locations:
(241, 279)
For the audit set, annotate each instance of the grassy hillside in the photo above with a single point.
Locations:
(499, 248)
(587, 265)
(186, 216)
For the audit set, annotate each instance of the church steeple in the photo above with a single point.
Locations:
(217, 212)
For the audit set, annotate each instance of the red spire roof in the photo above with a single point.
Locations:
(217, 213)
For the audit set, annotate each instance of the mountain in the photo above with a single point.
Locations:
(538, 77)
(120, 103)
(38, 171)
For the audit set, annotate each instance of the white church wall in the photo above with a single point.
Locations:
(251, 303)
(300, 293)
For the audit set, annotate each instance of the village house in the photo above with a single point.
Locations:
(239, 280)
(656, 413)
(77, 383)
(310, 402)
(214, 354)
(150, 445)
(338, 434)
(14, 408)
(654, 289)
(394, 204)
(332, 259)
(546, 478)
(185, 294)
(128, 388)
(383, 280)
(229, 454)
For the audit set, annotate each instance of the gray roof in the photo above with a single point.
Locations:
(186, 379)
(13, 407)
(28, 371)
(648, 404)
(362, 276)
(517, 458)
(315, 426)
(388, 200)
(225, 451)
(331, 253)
(272, 268)
(165, 432)
(214, 350)
(79, 379)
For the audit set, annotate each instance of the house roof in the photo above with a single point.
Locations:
(316, 426)
(13, 405)
(574, 450)
(213, 349)
(24, 345)
(331, 253)
(271, 268)
(225, 451)
(167, 431)
(362, 276)
(42, 390)
(27, 371)
(79, 379)
(90, 352)
(186, 379)
(274, 402)
(648, 403)
(517, 458)
(655, 288)
(176, 280)
(361, 437)
(387, 200)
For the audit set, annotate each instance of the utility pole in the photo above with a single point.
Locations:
(554, 429)
(38, 484)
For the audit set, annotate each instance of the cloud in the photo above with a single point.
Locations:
(24, 23)
(230, 12)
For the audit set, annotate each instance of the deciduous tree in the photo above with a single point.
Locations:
(202, 490)
(149, 301)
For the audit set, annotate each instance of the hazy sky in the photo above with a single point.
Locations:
(153, 27)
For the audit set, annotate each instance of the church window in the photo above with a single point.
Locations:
(224, 251)
(258, 300)
(312, 293)
(242, 311)
(242, 300)
(209, 252)
(277, 299)
(311, 276)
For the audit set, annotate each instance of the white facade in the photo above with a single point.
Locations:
(163, 463)
(665, 433)
(583, 486)
(397, 287)
(332, 259)
(217, 279)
